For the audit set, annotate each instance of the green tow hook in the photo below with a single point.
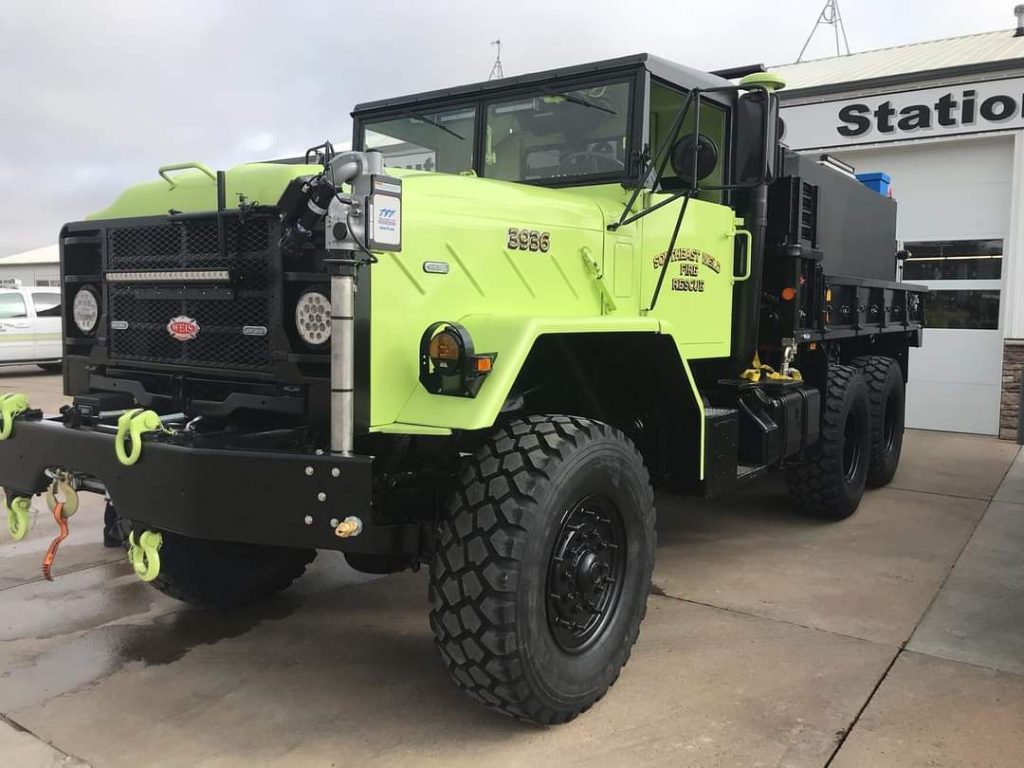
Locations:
(18, 517)
(145, 555)
(11, 405)
(132, 424)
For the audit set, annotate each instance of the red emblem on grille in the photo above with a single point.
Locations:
(183, 328)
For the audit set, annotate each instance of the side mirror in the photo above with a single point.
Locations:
(694, 158)
(758, 131)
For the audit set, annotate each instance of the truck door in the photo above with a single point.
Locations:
(17, 340)
(696, 292)
(47, 324)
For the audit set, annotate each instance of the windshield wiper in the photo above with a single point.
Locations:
(581, 101)
(434, 123)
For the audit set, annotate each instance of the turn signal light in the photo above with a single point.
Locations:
(445, 347)
(449, 364)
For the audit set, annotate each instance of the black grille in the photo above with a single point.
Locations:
(139, 320)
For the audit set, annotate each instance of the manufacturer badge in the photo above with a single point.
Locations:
(183, 328)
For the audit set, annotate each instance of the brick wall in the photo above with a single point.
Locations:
(1009, 403)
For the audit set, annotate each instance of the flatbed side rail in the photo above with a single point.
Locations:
(858, 306)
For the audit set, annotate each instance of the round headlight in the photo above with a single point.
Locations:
(85, 310)
(313, 318)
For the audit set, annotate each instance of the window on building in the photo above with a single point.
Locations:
(976, 266)
(977, 310)
(954, 260)
(46, 304)
(12, 306)
(428, 140)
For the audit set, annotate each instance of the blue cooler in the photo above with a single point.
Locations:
(876, 182)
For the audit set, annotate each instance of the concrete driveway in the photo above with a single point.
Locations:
(893, 638)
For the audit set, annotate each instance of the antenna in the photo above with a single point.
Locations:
(496, 71)
(830, 17)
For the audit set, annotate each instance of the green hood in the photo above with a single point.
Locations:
(193, 190)
(461, 198)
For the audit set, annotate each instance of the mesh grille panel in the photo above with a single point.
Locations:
(192, 244)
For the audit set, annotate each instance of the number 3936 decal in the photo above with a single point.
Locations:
(528, 240)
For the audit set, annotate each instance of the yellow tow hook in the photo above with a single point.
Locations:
(19, 519)
(11, 405)
(133, 424)
(145, 555)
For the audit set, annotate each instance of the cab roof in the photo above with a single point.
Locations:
(675, 74)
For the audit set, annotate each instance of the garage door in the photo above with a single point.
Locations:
(954, 210)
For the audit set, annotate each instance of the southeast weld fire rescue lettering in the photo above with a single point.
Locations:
(689, 260)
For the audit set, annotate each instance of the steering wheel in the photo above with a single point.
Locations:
(600, 162)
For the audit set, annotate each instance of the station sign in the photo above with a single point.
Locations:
(994, 105)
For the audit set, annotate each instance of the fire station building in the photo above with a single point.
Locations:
(945, 121)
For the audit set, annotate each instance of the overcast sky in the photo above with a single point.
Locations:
(97, 93)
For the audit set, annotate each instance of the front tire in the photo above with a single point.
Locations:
(886, 392)
(225, 575)
(829, 481)
(543, 564)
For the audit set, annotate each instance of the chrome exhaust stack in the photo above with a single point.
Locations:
(357, 224)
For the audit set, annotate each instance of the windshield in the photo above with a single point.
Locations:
(434, 140)
(558, 133)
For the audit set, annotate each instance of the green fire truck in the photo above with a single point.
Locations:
(477, 341)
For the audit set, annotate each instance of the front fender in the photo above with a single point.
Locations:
(511, 338)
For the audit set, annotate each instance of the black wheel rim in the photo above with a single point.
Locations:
(585, 575)
(851, 447)
(889, 422)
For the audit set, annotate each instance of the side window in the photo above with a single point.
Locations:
(12, 306)
(665, 104)
(46, 304)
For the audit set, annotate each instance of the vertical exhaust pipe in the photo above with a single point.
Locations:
(343, 305)
(349, 234)
(1019, 11)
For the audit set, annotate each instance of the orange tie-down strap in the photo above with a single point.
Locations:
(51, 552)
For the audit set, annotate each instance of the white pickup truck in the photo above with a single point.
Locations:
(30, 326)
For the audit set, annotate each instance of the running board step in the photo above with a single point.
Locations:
(722, 472)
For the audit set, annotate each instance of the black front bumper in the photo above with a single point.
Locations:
(259, 497)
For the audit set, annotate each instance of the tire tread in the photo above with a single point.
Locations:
(480, 540)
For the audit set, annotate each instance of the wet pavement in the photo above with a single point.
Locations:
(769, 640)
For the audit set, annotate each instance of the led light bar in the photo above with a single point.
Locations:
(171, 276)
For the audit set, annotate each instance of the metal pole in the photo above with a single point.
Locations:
(343, 290)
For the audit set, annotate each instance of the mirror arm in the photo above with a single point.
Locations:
(661, 152)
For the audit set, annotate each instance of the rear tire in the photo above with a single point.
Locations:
(543, 563)
(224, 575)
(829, 481)
(887, 394)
